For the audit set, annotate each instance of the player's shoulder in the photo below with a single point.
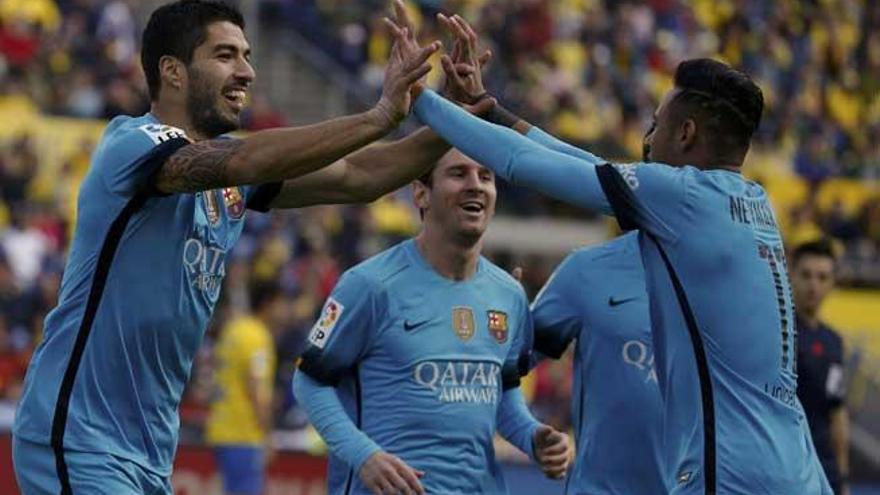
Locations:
(616, 253)
(831, 335)
(657, 168)
(143, 132)
(625, 244)
(242, 329)
(128, 127)
(502, 279)
(379, 270)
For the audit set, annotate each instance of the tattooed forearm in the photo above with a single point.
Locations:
(198, 167)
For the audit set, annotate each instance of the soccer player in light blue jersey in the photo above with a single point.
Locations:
(597, 298)
(161, 206)
(416, 359)
(716, 278)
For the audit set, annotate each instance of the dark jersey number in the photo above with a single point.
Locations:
(775, 258)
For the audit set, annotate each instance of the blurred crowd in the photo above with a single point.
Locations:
(590, 71)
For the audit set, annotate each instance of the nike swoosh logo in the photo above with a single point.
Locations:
(409, 326)
(617, 302)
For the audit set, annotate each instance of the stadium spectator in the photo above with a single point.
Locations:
(240, 421)
(821, 380)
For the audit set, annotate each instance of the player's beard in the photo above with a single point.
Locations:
(202, 105)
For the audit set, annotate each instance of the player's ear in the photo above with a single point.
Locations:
(172, 71)
(687, 134)
(421, 195)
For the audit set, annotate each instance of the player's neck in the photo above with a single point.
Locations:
(455, 261)
(176, 116)
(810, 320)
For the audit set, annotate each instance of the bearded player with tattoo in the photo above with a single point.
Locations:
(161, 206)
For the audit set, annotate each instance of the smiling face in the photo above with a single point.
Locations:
(218, 79)
(460, 198)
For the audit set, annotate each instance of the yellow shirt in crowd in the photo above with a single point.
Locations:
(245, 349)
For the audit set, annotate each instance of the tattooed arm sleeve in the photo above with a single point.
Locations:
(268, 156)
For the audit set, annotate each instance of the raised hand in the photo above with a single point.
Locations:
(463, 68)
(552, 450)
(407, 65)
(383, 473)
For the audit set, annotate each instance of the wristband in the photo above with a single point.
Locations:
(502, 116)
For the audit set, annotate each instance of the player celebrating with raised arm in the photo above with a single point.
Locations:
(162, 204)
(597, 298)
(720, 301)
(417, 355)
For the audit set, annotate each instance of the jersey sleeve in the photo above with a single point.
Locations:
(515, 422)
(345, 328)
(646, 196)
(546, 140)
(129, 159)
(518, 360)
(557, 318)
(835, 383)
(259, 197)
(638, 195)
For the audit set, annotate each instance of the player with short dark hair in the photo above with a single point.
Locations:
(721, 310)
(161, 206)
(417, 356)
(820, 363)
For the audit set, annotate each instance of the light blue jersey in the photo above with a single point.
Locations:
(597, 298)
(720, 303)
(142, 278)
(421, 363)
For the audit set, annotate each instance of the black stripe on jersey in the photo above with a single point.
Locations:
(358, 421)
(154, 160)
(99, 280)
(311, 364)
(628, 211)
(550, 345)
(706, 393)
(625, 205)
(263, 195)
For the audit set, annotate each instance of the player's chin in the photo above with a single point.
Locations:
(472, 229)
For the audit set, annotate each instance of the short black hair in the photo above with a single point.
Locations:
(176, 29)
(262, 293)
(723, 100)
(427, 178)
(820, 247)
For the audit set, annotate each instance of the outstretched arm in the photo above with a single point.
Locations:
(513, 156)
(463, 69)
(279, 154)
(369, 173)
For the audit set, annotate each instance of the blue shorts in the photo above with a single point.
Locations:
(242, 468)
(88, 472)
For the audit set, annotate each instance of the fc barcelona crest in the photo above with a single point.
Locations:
(498, 325)
(234, 202)
(463, 322)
